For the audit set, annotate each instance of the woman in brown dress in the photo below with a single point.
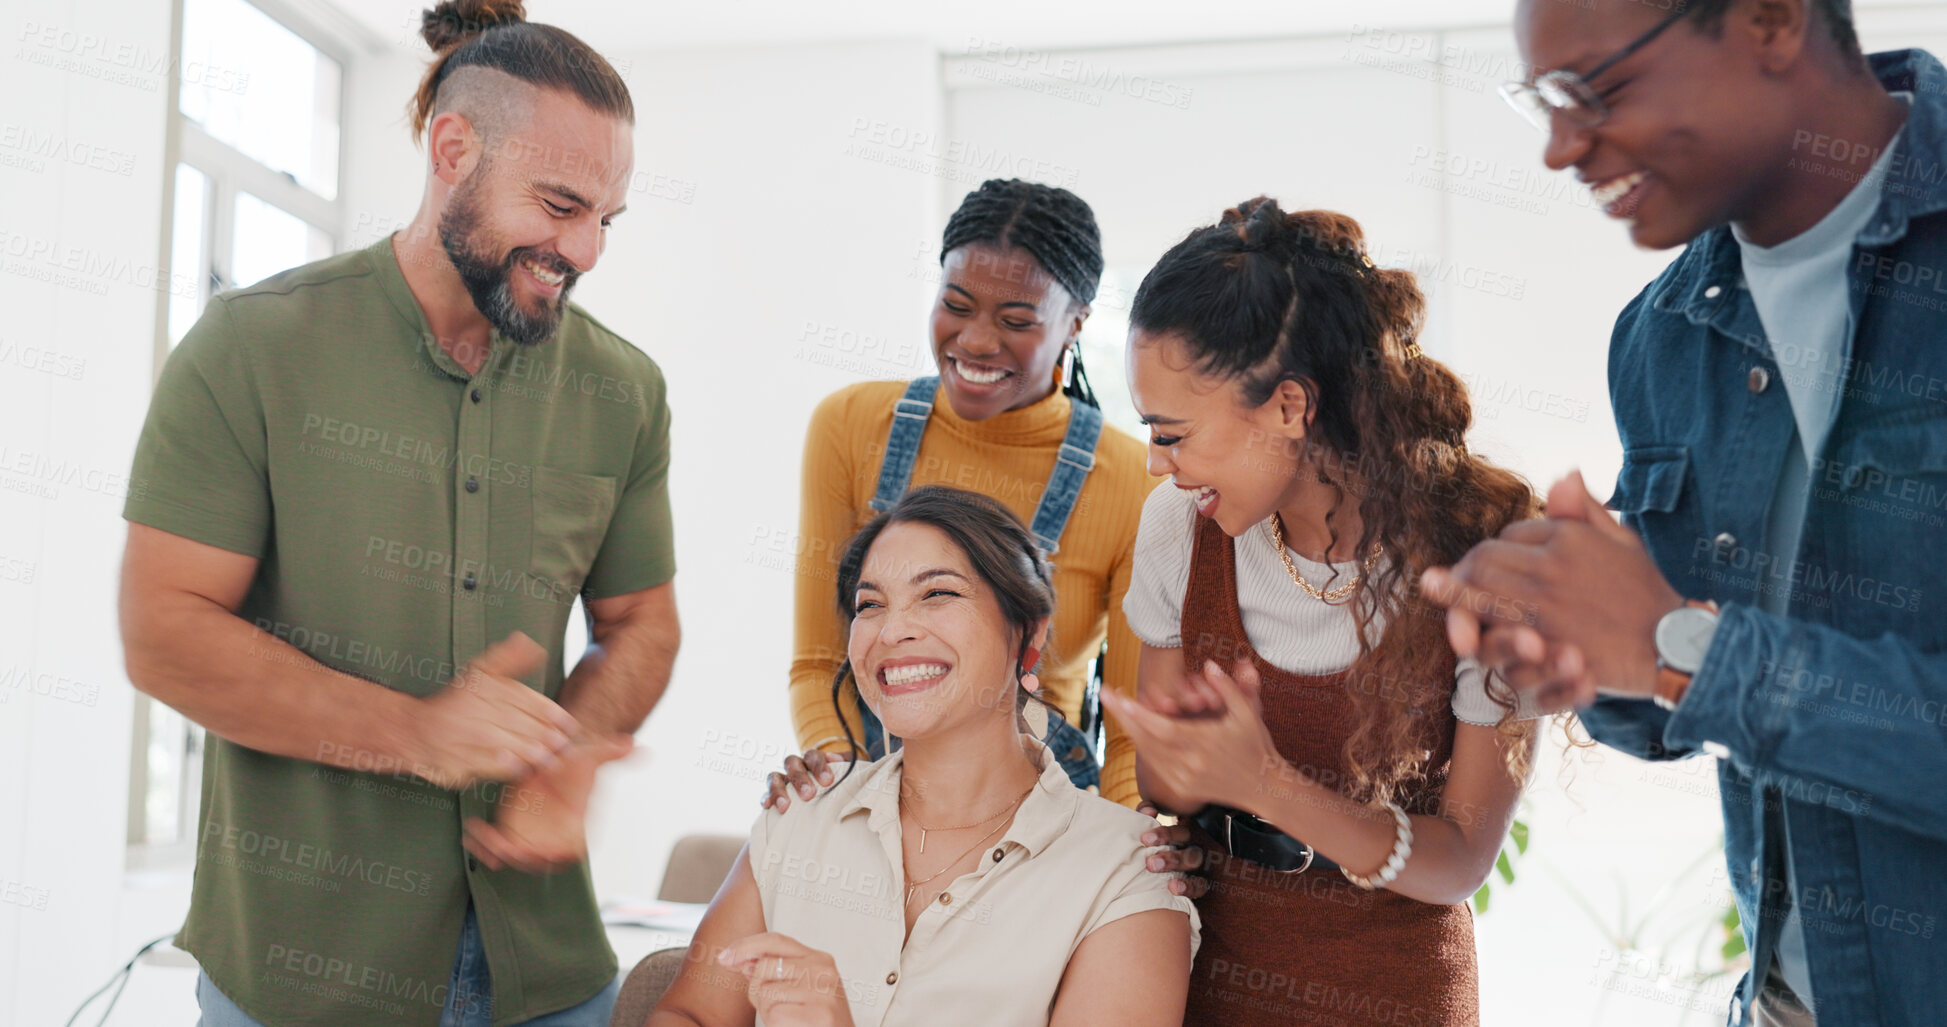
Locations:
(1348, 780)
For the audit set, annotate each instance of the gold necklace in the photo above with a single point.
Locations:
(913, 886)
(1334, 596)
(923, 829)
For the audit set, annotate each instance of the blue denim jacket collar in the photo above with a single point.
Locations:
(1704, 280)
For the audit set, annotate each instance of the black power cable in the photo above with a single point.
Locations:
(118, 982)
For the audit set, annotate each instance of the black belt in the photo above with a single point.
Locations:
(1247, 837)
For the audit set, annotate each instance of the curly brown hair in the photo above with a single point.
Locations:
(1267, 296)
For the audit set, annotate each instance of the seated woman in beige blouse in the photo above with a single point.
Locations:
(962, 879)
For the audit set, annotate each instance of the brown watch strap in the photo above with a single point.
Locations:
(1671, 683)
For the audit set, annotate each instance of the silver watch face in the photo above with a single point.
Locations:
(1682, 637)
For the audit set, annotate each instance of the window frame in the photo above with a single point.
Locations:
(227, 173)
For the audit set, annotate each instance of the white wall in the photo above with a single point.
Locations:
(81, 170)
(782, 229)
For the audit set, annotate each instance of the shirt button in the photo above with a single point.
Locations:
(1713, 292)
(998, 853)
(472, 864)
(1760, 379)
(1717, 749)
(946, 898)
(476, 395)
(1725, 542)
(468, 583)
(893, 977)
(473, 484)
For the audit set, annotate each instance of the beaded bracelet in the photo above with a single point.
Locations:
(1402, 848)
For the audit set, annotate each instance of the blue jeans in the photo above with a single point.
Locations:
(469, 995)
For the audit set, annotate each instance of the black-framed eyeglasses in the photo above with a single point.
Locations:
(1569, 94)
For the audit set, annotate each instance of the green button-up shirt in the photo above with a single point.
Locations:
(406, 515)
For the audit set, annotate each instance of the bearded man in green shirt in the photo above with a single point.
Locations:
(366, 486)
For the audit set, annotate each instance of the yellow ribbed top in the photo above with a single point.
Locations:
(1008, 457)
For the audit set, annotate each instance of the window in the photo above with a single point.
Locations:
(259, 120)
(254, 191)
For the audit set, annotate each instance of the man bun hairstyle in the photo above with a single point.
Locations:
(496, 35)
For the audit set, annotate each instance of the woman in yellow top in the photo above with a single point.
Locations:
(1010, 415)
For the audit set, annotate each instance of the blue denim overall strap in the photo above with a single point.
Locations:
(1073, 461)
(902, 442)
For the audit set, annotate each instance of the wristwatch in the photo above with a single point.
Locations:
(1682, 638)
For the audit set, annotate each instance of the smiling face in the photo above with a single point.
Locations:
(532, 214)
(1699, 124)
(930, 648)
(1240, 462)
(999, 325)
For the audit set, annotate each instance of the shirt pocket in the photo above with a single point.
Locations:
(1655, 497)
(1652, 480)
(570, 518)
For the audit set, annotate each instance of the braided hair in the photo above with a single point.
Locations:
(1056, 227)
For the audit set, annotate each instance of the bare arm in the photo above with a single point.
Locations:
(705, 992)
(1121, 664)
(1452, 853)
(632, 642)
(185, 645)
(1098, 987)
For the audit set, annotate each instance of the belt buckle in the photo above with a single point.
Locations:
(1230, 820)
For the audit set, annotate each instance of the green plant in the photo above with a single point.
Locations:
(1504, 863)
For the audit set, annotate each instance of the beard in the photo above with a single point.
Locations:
(490, 281)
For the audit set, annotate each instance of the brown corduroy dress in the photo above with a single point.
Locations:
(1310, 947)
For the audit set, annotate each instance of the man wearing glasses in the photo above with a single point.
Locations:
(1781, 394)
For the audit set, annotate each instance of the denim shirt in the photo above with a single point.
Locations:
(1833, 717)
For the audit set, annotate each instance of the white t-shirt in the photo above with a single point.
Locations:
(1291, 630)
